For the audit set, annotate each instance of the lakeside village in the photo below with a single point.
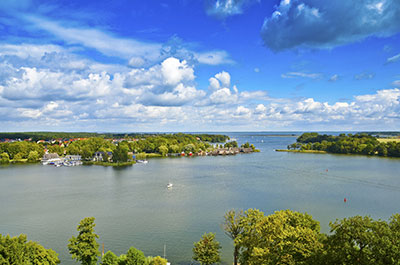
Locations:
(116, 151)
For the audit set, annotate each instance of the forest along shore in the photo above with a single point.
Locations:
(359, 143)
(112, 150)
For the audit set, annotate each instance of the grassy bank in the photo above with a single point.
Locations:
(386, 140)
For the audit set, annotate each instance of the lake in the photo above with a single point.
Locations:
(133, 207)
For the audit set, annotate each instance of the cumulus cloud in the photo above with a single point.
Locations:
(166, 94)
(175, 71)
(221, 93)
(326, 24)
(226, 8)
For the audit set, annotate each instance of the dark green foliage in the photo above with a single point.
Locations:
(246, 145)
(288, 237)
(33, 156)
(233, 228)
(285, 237)
(56, 149)
(21, 150)
(84, 248)
(231, 144)
(135, 257)
(16, 250)
(361, 240)
(206, 251)
(87, 148)
(212, 138)
(61, 143)
(363, 144)
(120, 153)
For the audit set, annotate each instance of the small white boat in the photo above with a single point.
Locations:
(169, 185)
(142, 161)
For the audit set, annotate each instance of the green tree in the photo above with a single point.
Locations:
(189, 148)
(245, 145)
(84, 247)
(121, 153)
(174, 148)
(206, 251)
(122, 259)
(135, 257)
(163, 150)
(285, 237)
(19, 156)
(109, 259)
(361, 240)
(158, 261)
(56, 149)
(33, 156)
(4, 158)
(16, 250)
(233, 229)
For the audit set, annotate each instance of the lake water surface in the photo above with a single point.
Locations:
(132, 206)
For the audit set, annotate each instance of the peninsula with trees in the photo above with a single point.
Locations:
(112, 149)
(360, 143)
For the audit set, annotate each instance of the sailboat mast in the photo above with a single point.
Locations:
(165, 247)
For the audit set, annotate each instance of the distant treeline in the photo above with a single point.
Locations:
(36, 136)
(361, 143)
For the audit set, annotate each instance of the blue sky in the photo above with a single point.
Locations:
(199, 65)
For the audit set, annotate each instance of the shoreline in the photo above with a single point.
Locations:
(302, 151)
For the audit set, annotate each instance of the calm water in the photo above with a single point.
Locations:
(133, 208)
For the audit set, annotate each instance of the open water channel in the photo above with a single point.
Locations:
(133, 207)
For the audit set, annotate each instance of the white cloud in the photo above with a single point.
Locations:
(130, 49)
(99, 40)
(260, 108)
(28, 50)
(301, 74)
(242, 111)
(165, 93)
(224, 78)
(393, 59)
(175, 71)
(136, 62)
(334, 78)
(223, 96)
(214, 83)
(226, 8)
